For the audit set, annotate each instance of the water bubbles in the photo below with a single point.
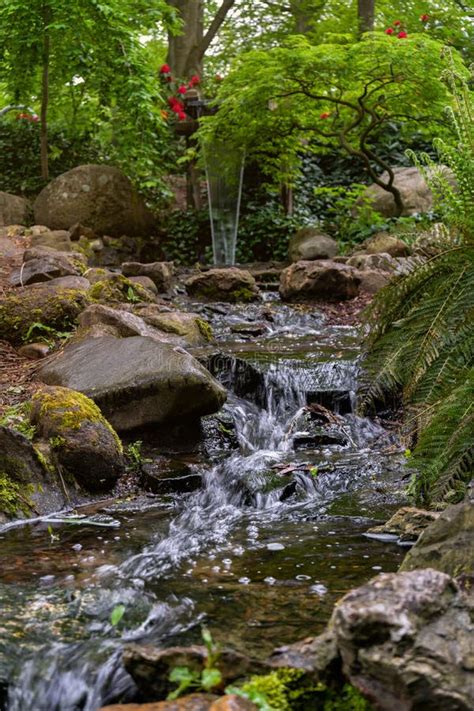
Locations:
(227, 562)
(269, 580)
(244, 581)
(303, 577)
(77, 547)
(275, 546)
(376, 567)
(238, 550)
(318, 589)
(216, 569)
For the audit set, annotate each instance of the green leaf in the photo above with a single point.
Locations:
(117, 614)
(210, 678)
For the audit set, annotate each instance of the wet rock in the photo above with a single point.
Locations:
(84, 444)
(319, 280)
(249, 329)
(310, 243)
(385, 243)
(27, 486)
(230, 284)
(407, 524)
(165, 479)
(189, 327)
(146, 282)
(193, 702)
(14, 210)
(34, 351)
(54, 239)
(219, 436)
(52, 304)
(136, 381)
(98, 196)
(447, 544)
(310, 429)
(381, 262)
(98, 320)
(44, 268)
(372, 280)
(405, 640)
(159, 272)
(415, 193)
(319, 656)
(115, 288)
(150, 667)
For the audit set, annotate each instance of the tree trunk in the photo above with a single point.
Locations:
(184, 50)
(366, 15)
(301, 16)
(45, 96)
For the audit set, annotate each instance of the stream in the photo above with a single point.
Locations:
(259, 547)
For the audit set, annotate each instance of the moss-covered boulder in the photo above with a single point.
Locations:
(83, 443)
(230, 285)
(49, 304)
(27, 486)
(118, 289)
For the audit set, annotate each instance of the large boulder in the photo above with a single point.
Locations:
(14, 210)
(416, 195)
(99, 197)
(27, 486)
(116, 288)
(136, 381)
(310, 243)
(53, 305)
(83, 443)
(385, 243)
(447, 544)
(39, 266)
(322, 280)
(403, 639)
(380, 261)
(230, 284)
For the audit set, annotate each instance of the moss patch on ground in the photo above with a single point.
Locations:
(119, 289)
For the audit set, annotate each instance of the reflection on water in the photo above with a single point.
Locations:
(269, 542)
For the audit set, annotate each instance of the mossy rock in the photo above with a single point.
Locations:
(84, 444)
(27, 485)
(229, 285)
(192, 328)
(54, 307)
(118, 289)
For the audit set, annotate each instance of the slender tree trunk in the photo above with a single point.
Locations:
(301, 16)
(366, 15)
(184, 50)
(45, 96)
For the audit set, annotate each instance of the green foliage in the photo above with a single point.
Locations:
(207, 679)
(287, 689)
(133, 453)
(330, 95)
(422, 338)
(18, 418)
(45, 334)
(116, 615)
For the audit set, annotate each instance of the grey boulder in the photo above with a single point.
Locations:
(136, 381)
(310, 243)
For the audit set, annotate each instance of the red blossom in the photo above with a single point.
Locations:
(324, 115)
(424, 18)
(402, 34)
(182, 116)
(397, 23)
(195, 79)
(182, 89)
(165, 69)
(389, 31)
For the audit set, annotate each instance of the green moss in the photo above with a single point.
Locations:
(66, 410)
(243, 294)
(292, 690)
(118, 289)
(57, 309)
(14, 497)
(44, 461)
(205, 329)
(17, 417)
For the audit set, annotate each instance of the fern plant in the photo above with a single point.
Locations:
(421, 340)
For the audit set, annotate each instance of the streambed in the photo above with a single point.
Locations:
(259, 550)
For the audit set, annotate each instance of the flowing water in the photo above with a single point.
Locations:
(259, 551)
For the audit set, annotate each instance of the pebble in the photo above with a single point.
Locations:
(275, 546)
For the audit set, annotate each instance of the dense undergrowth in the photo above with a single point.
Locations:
(421, 339)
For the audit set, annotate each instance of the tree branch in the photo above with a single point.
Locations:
(216, 24)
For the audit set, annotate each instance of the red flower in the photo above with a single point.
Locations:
(182, 89)
(397, 23)
(324, 115)
(165, 69)
(402, 35)
(389, 31)
(195, 79)
(424, 18)
(182, 116)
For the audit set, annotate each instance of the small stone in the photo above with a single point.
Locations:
(34, 351)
